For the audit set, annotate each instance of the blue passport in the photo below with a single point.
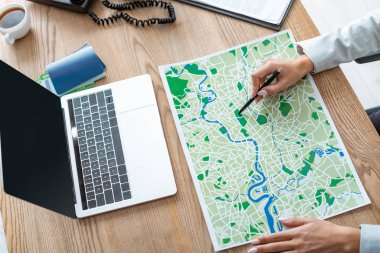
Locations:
(78, 69)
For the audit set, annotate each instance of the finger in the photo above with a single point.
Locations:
(267, 68)
(295, 222)
(258, 99)
(275, 88)
(276, 237)
(256, 82)
(273, 247)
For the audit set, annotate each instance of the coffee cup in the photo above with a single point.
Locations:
(14, 22)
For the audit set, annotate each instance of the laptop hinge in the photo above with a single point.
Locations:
(68, 153)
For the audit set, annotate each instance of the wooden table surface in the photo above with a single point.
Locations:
(173, 224)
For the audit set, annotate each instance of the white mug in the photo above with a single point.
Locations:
(18, 31)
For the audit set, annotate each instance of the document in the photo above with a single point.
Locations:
(271, 11)
(282, 157)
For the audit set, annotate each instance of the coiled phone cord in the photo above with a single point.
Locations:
(131, 6)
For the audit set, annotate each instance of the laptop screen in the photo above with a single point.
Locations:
(35, 159)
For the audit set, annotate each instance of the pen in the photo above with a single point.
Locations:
(266, 83)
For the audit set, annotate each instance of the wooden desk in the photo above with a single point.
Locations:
(174, 224)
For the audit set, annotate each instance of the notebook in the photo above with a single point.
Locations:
(269, 13)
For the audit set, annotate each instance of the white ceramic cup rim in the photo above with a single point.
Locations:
(6, 7)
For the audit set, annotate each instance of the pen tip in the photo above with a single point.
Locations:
(279, 70)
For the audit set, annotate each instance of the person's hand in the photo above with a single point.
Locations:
(292, 71)
(309, 236)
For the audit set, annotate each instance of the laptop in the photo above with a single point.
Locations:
(85, 153)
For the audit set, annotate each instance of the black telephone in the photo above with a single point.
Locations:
(82, 6)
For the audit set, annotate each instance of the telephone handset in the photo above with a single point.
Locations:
(82, 6)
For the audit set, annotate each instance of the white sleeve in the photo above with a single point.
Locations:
(344, 44)
(370, 239)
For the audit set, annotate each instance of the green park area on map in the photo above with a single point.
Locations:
(282, 157)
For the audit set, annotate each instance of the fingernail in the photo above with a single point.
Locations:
(282, 219)
(252, 250)
(255, 242)
(262, 93)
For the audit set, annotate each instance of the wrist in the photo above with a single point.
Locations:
(305, 64)
(351, 240)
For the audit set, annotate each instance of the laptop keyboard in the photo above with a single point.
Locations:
(102, 172)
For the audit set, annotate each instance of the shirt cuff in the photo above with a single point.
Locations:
(370, 239)
(301, 51)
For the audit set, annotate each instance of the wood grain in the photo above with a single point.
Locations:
(174, 224)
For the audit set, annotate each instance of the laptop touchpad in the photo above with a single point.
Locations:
(142, 136)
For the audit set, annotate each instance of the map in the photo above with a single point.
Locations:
(282, 157)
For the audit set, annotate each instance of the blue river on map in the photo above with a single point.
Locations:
(256, 180)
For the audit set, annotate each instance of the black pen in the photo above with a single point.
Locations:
(266, 83)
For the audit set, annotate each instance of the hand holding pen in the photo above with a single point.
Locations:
(292, 71)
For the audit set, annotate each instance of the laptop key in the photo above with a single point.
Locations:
(94, 109)
(92, 149)
(106, 132)
(84, 99)
(114, 179)
(112, 163)
(103, 117)
(86, 171)
(98, 130)
(76, 102)
(85, 106)
(109, 147)
(117, 143)
(122, 169)
(110, 155)
(97, 181)
(86, 113)
(110, 107)
(92, 99)
(88, 179)
(85, 163)
(102, 110)
(78, 118)
(127, 195)
(113, 171)
(107, 139)
(88, 127)
(101, 152)
(93, 157)
(83, 148)
(105, 177)
(105, 124)
(113, 122)
(87, 120)
(95, 116)
(95, 165)
(90, 135)
(109, 100)
(98, 138)
(91, 204)
(84, 155)
(117, 192)
(77, 111)
(125, 187)
(90, 195)
(96, 173)
(112, 114)
(80, 125)
(82, 140)
(91, 142)
(124, 178)
(89, 187)
(102, 161)
(103, 169)
(98, 189)
(108, 196)
(107, 185)
(100, 97)
(100, 200)
(96, 123)
(81, 133)
(107, 93)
